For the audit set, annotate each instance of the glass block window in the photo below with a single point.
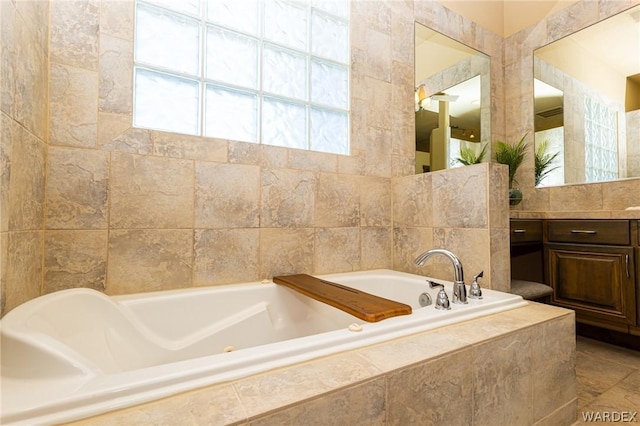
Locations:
(274, 72)
(601, 141)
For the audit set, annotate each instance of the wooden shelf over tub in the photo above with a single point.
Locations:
(365, 306)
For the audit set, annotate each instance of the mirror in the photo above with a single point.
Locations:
(587, 102)
(452, 101)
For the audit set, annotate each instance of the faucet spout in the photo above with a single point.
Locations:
(459, 289)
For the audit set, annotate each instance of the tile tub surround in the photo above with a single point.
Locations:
(500, 369)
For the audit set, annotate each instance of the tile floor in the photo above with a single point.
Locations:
(607, 381)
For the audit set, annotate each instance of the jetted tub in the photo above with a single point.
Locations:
(77, 353)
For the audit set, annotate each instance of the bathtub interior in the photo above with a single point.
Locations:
(83, 346)
(98, 334)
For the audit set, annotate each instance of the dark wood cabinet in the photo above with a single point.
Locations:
(598, 282)
(592, 267)
(526, 250)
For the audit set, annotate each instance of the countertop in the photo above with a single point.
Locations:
(583, 214)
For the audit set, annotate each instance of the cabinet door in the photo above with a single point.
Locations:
(596, 281)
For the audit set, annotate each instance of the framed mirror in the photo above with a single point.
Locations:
(587, 103)
(452, 102)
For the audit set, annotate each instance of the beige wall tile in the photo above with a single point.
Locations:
(500, 249)
(502, 379)
(259, 155)
(572, 18)
(73, 123)
(248, 153)
(130, 140)
(261, 393)
(227, 196)
(376, 248)
(312, 160)
(413, 200)
(77, 189)
(375, 201)
(151, 192)
(553, 361)
(225, 256)
(461, 198)
(472, 246)
(337, 250)
(621, 195)
(202, 407)
(75, 259)
(337, 201)
(143, 260)
(377, 161)
(7, 56)
(7, 130)
(116, 18)
(411, 350)
(110, 127)
(498, 188)
(287, 198)
(4, 274)
(378, 63)
(362, 404)
(31, 69)
(24, 178)
(21, 262)
(576, 197)
(433, 392)
(74, 33)
(188, 147)
(285, 251)
(408, 243)
(353, 164)
(116, 78)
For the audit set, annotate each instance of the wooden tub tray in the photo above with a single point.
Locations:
(365, 306)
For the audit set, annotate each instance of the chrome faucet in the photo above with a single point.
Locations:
(459, 289)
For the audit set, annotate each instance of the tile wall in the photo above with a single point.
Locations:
(131, 210)
(89, 201)
(24, 78)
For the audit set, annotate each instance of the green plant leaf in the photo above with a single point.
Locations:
(512, 156)
(543, 160)
(468, 156)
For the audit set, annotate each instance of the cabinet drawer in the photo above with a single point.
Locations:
(526, 231)
(613, 232)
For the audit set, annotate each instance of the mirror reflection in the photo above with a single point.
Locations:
(452, 88)
(587, 103)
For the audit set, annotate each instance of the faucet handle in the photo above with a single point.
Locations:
(442, 300)
(475, 292)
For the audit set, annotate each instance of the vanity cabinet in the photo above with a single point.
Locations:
(592, 267)
(526, 250)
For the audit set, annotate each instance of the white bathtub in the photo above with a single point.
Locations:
(78, 353)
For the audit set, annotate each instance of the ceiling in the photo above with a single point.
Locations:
(506, 17)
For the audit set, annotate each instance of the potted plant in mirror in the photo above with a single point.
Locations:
(543, 160)
(512, 155)
(468, 156)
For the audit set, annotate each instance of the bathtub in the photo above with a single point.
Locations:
(78, 353)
